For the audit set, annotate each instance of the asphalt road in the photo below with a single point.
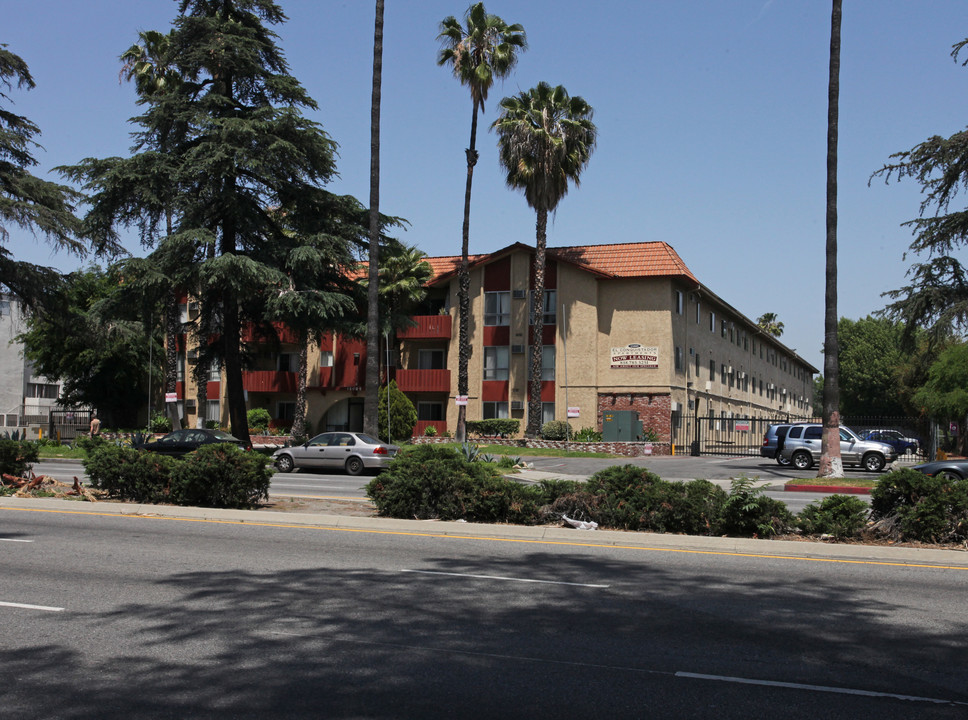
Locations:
(121, 617)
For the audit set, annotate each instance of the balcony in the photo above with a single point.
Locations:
(285, 334)
(269, 381)
(437, 381)
(428, 327)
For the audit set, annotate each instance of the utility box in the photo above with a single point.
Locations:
(621, 426)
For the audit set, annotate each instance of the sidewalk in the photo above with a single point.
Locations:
(805, 550)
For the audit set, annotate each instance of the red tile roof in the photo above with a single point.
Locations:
(643, 259)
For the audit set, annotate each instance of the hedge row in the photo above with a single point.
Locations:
(221, 476)
(434, 482)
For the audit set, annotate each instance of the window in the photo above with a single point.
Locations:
(4, 308)
(548, 317)
(325, 358)
(723, 328)
(547, 362)
(698, 311)
(712, 369)
(722, 376)
(679, 366)
(286, 410)
(214, 372)
(496, 363)
(430, 411)
(495, 410)
(497, 308)
(712, 321)
(287, 362)
(697, 364)
(180, 368)
(42, 390)
(678, 302)
(430, 360)
(547, 412)
(212, 410)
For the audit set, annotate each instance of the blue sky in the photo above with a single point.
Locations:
(711, 117)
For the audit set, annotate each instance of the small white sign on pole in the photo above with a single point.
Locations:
(171, 397)
(461, 399)
(573, 412)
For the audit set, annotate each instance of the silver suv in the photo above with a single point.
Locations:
(802, 448)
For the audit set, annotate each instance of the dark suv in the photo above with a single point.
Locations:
(773, 443)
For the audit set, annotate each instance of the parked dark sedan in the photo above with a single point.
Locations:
(945, 469)
(895, 439)
(182, 442)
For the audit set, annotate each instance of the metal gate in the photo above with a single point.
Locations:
(67, 425)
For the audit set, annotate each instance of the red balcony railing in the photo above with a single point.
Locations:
(423, 380)
(269, 381)
(428, 327)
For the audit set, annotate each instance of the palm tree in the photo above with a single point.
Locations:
(478, 52)
(149, 65)
(546, 139)
(830, 460)
(770, 325)
(371, 399)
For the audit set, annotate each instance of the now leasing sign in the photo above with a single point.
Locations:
(635, 356)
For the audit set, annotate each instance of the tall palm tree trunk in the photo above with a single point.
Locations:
(537, 328)
(298, 429)
(464, 285)
(371, 400)
(831, 464)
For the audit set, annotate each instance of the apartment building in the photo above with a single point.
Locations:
(626, 327)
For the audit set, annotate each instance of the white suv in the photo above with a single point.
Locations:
(802, 448)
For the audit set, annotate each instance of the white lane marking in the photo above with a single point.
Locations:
(31, 607)
(817, 688)
(510, 579)
(643, 671)
(15, 540)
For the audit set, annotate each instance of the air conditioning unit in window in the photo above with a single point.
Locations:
(709, 385)
(190, 405)
(517, 349)
(517, 405)
(519, 294)
(193, 309)
(192, 355)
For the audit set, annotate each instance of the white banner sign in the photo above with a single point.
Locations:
(634, 355)
(461, 399)
(572, 412)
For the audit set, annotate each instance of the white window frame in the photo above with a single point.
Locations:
(494, 369)
(497, 308)
(495, 410)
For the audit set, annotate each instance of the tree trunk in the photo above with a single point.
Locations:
(371, 401)
(537, 328)
(171, 356)
(298, 429)
(463, 287)
(831, 464)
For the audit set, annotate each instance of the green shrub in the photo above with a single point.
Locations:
(403, 415)
(501, 427)
(17, 456)
(748, 512)
(634, 498)
(430, 431)
(556, 430)
(159, 423)
(587, 434)
(259, 419)
(920, 507)
(221, 475)
(434, 482)
(838, 515)
(211, 425)
(129, 474)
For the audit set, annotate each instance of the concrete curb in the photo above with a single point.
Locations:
(805, 550)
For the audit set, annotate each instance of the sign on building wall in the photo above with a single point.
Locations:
(634, 355)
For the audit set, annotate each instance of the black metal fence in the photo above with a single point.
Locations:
(698, 435)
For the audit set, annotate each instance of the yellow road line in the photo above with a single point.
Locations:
(531, 541)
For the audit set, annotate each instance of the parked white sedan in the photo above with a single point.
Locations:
(351, 451)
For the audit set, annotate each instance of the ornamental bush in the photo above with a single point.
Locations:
(259, 419)
(222, 476)
(556, 430)
(17, 456)
(129, 474)
(502, 427)
(909, 505)
(747, 512)
(840, 516)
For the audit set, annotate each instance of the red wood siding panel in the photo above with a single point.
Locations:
(551, 275)
(180, 389)
(349, 371)
(325, 377)
(326, 342)
(494, 390)
(429, 327)
(497, 275)
(497, 335)
(269, 381)
(214, 390)
(547, 391)
(285, 334)
(420, 429)
(548, 334)
(423, 380)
